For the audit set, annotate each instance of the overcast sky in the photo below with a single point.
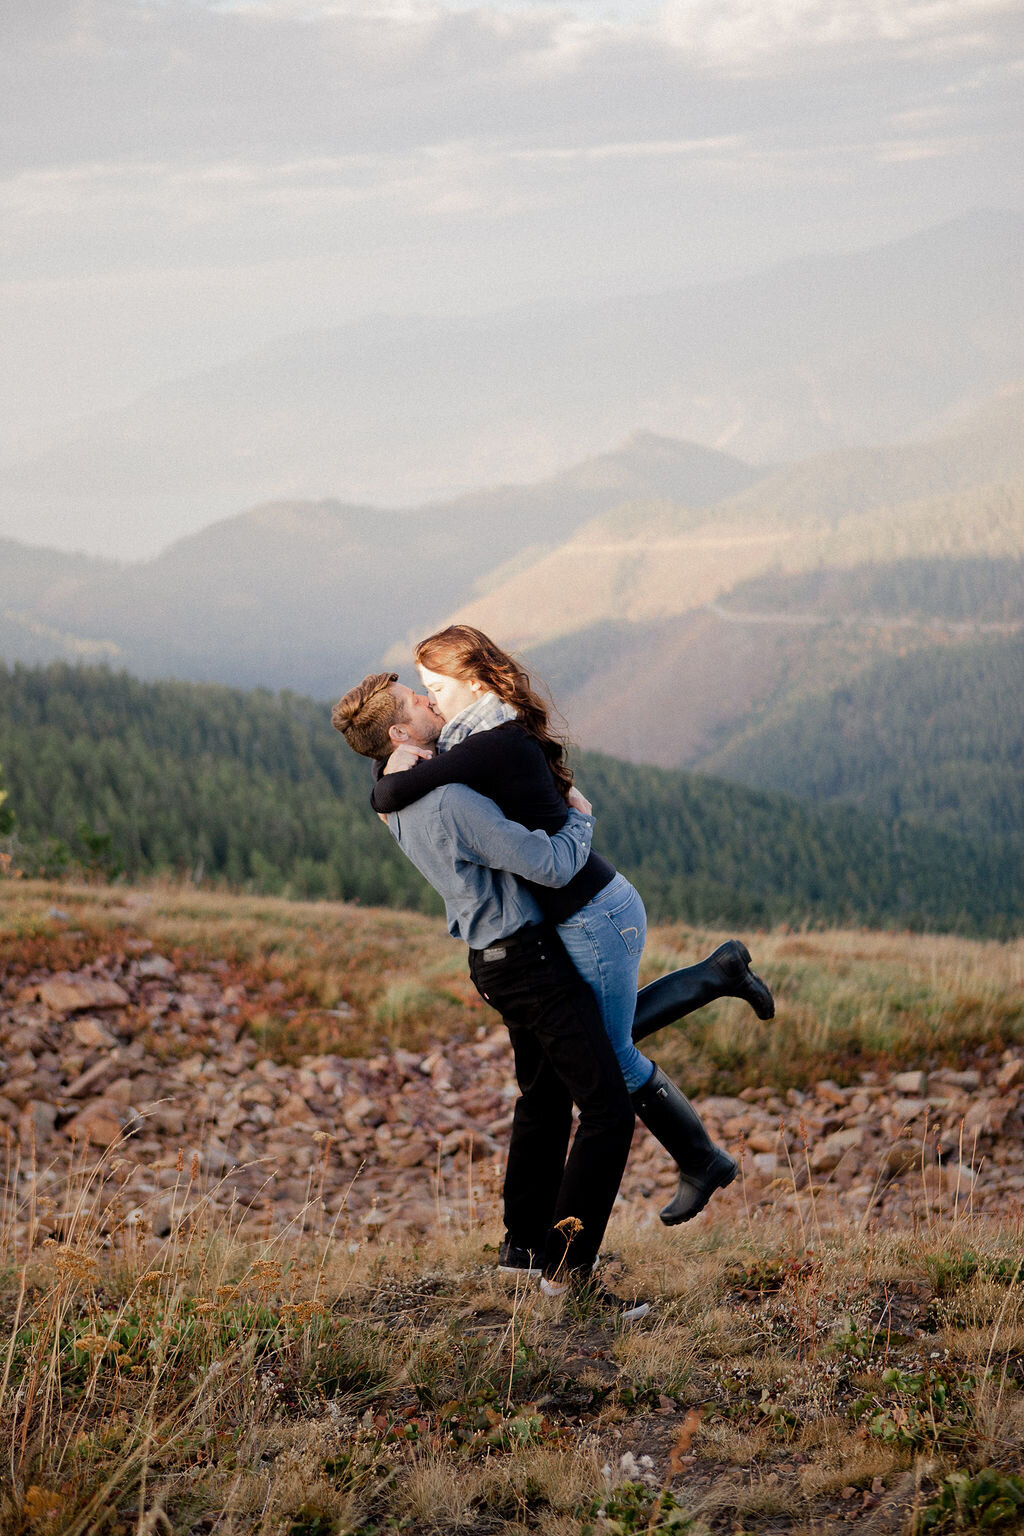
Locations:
(181, 179)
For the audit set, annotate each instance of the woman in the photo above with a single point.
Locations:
(498, 740)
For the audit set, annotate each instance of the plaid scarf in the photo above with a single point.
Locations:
(484, 715)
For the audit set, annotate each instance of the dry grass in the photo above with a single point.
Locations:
(346, 979)
(312, 1382)
(315, 1383)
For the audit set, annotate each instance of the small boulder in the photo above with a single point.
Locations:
(99, 1123)
(156, 965)
(413, 1153)
(37, 1121)
(828, 1154)
(958, 1178)
(911, 1085)
(83, 992)
(1010, 1074)
(92, 1034)
(901, 1157)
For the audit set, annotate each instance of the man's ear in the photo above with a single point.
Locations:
(398, 733)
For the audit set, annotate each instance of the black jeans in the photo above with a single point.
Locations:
(562, 1057)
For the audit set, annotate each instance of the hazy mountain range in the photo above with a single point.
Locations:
(685, 608)
(815, 355)
(844, 623)
(300, 595)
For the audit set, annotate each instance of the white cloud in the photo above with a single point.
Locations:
(347, 155)
(739, 32)
(632, 150)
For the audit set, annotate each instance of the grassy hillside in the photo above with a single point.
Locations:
(649, 561)
(258, 791)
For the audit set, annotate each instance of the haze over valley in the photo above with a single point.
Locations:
(678, 346)
(874, 347)
(847, 626)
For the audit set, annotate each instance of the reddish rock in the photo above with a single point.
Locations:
(156, 965)
(968, 1081)
(82, 992)
(294, 1111)
(959, 1178)
(27, 1037)
(168, 1119)
(122, 1091)
(92, 1034)
(902, 1156)
(99, 1123)
(830, 1092)
(1010, 1074)
(767, 1142)
(909, 1109)
(414, 1152)
(987, 1117)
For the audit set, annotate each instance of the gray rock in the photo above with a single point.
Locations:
(910, 1084)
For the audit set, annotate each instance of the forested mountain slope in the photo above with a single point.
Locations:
(257, 790)
(937, 737)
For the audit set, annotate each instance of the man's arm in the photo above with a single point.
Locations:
(486, 837)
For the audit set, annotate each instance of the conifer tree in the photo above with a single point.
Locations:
(6, 813)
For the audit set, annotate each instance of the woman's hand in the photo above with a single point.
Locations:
(576, 801)
(405, 756)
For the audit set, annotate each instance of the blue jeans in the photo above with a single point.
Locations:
(605, 940)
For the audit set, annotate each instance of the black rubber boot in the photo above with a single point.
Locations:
(725, 973)
(703, 1167)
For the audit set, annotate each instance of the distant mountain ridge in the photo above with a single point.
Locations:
(686, 609)
(953, 492)
(810, 356)
(300, 595)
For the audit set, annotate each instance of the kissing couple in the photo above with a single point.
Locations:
(476, 789)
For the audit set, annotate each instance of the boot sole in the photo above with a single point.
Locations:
(720, 1183)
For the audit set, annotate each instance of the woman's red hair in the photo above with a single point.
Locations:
(468, 654)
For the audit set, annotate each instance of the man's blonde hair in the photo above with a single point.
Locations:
(367, 712)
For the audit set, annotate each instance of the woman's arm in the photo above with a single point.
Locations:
(477, 761)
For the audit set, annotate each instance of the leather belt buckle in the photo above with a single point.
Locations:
(495, 952)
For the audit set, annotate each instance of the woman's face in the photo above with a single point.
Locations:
(450, 694)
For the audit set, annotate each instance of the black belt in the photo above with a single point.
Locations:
(521, 939)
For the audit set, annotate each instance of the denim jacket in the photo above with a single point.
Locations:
(463, 845)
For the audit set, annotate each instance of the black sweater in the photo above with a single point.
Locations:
(508, 766)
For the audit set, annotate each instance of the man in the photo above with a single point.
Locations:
(556, 1206)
